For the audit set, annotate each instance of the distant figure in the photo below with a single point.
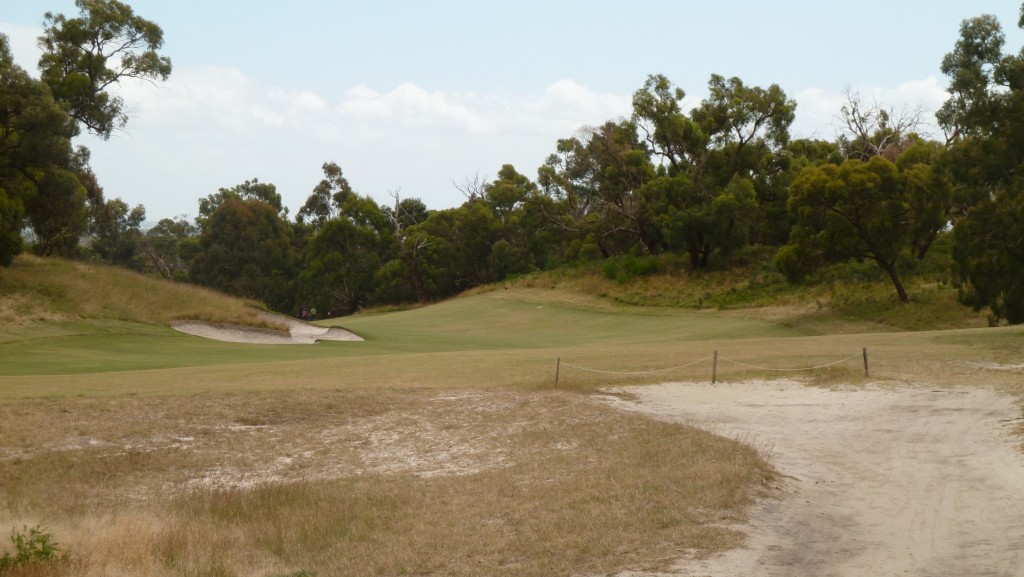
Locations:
(304, 315)
(312, 314)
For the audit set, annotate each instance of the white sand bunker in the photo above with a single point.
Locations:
(299, 333)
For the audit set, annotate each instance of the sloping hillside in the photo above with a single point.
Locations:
(38, 294)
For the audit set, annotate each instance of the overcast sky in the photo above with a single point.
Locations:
(414, 95)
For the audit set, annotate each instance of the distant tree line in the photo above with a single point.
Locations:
(701, 183)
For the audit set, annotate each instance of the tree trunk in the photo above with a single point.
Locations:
(704, 254)
(159, 264)
(891, 270)
(417, 281)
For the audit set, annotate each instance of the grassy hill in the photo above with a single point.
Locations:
(844, 298)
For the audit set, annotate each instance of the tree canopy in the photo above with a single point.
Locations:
(37, 162)
(84, 57)
(984, 120)
(698, 181)
(245, 250)
(46, 183)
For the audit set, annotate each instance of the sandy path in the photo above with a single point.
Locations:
(907, 482)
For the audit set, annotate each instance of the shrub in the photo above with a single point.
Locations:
(31, 546)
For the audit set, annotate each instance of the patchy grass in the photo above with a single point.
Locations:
(342, 483)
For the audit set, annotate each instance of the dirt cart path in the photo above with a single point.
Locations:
(906, 482)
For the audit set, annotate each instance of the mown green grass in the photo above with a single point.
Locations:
(497, 321)
(78, 336)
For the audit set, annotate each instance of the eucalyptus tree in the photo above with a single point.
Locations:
(879, 210)
(248, 190)
(327, 198)
(86, 56)
(38, 184)
(873, 129)
(523, 239)
(116, 234)
(245, 250)
(341, 260)
(170, 246)
(984, 122)
(591, 189)
(711, 160)
(402, 278)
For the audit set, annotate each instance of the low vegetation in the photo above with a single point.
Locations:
(842, 298)
(55, 293)
(369, 483)
(33, 549)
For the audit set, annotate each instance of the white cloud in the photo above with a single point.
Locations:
(23, 45)
(209, 127)
(818, 110)
(816, 113)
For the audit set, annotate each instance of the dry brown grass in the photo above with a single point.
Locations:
(367, 483)
(56, 290)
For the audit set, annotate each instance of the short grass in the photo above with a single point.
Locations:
(441, 445)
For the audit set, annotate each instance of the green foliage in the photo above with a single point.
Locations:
(170, 246)
(116, 233)
(862, 210)
(329, 195)
(705, 196)
(32, 545)
(57, 214)
(84, 57)
(591, 189)
(624, 269)
(984, 117)
(245, 251)
(248, 190)
(989, 254)
(340, 266)
(37, 180)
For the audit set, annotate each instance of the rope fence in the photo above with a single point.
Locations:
(714, 367)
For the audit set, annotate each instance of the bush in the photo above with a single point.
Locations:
(32, 546)
(625, 269)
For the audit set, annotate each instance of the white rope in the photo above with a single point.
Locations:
(799, 369)
(755, 367)
(637, 372)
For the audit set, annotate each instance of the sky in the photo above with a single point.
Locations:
(415, 98)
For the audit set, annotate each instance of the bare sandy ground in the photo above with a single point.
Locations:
(880, 482)
(299, 333)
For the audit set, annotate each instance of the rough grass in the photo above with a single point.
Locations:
(339, 483)
(844, 298)
(57, 293)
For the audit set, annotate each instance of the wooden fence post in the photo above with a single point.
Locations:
(865, 361)
(714, 369)
(558, 367)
